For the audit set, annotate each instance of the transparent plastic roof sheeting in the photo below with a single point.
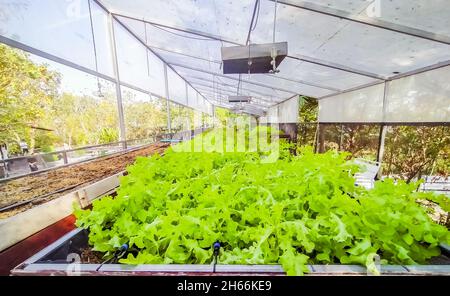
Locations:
(334, 46)
(230, 19)
(414, 14)
(356, 45)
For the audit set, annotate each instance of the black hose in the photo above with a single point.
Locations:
(215, 254)
(117, 255)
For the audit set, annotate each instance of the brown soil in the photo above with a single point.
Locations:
(92, 257)
(81, 174)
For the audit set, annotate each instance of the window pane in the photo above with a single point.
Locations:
(57, 27)
(145, 116)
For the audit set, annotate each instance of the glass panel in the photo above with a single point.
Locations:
(192, 95)
(423, 97)
(365, 105)
(132, 58)
(52, 108)
(157, 84)
(60, 28)
(361, 140)
(177, 87)
(306, 133)
(417, 151)
(288, 111)
(180, 117)
(145, 115)
(102, 39)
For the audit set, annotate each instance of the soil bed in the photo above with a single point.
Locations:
(78, 175)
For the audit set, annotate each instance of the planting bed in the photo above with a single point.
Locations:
(73, 177)
(294, 211)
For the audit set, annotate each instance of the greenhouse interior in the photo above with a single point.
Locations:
(237, 137)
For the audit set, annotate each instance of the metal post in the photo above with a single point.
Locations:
(382, 137)
(112, 40)
(187, 94)
(169, 125)
(380, 151)
(66, 161)
(320, 140)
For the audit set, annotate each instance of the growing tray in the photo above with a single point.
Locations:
(63, 258)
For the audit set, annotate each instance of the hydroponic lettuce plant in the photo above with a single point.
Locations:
(299, 210)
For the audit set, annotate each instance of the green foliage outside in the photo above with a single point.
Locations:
(297, 210)
(26, 91)
(34, 109)
(410, 151)
(413, 151)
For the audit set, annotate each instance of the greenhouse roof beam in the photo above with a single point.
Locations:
(229, 85)
(233, 78)
(267, 75)
(218, 38)
(317, 8)
(232, 92)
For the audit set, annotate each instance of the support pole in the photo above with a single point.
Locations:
(320, 146)
(341, 137)
(382, 137)
(112, 40)
(169, 124)
(380, 152)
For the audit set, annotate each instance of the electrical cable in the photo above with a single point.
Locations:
(180, 35)
(274, 21)
(95, 48)
(256, 16)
